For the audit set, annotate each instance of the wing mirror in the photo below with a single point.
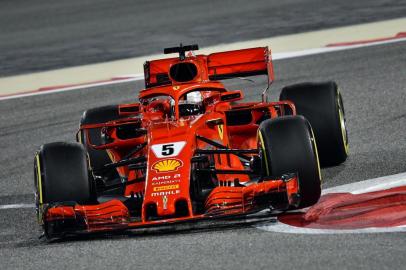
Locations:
(214, 122)
(129, 109)
(231, 96)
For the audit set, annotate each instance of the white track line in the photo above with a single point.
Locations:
(137, 77)
(366, 32)
(17, 206)
(280, 227)
(140, 76)
(301, 53)
(381, 183)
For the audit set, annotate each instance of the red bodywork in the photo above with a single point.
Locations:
(174, 144)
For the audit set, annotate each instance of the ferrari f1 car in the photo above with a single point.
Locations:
(188, 150)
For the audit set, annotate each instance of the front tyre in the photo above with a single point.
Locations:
(61, 174)
(288, 146)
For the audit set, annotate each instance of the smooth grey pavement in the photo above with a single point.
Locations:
(373, 85)
(47, 34)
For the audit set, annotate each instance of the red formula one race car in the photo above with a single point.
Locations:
(188, 151)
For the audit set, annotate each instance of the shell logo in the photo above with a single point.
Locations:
(167, 165)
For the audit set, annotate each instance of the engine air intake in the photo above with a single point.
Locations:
(183, 72)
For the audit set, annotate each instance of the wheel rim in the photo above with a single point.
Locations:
(343, 127)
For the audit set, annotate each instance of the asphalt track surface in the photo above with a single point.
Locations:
(45, 34)
(373, 86)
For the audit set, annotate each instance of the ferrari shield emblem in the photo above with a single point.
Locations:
(220, 129)
(165, 202)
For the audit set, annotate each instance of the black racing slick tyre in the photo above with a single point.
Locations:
(98, 158)
(62, 174)
(288, 146)
(322, 105)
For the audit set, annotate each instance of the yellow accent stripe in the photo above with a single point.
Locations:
(110, 155)
(39, 178)
(343, 131)
(317, 154)
(80, 136)
(264, 151)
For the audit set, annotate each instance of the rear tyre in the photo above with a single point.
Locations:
(61, 174)
(98, 158)
(322, 105)
(288, 146)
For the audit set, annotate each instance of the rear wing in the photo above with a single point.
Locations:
(215, 66)
(240, 63)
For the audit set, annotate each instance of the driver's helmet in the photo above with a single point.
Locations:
(192, 104)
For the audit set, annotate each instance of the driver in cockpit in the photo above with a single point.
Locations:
(191, 104)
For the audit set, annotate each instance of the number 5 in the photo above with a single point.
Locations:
(167, 149)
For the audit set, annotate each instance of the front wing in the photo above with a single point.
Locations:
(66, 218)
